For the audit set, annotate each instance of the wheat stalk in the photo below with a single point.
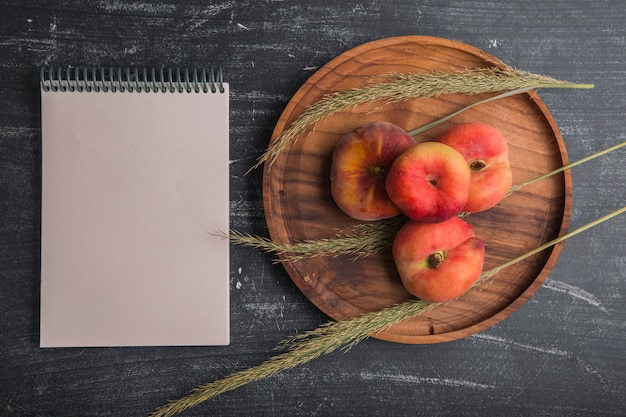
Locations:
(337, 335)
(358, 241)
(328, 338)
(405, 87)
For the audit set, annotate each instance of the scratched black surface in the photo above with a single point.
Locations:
(561, 354)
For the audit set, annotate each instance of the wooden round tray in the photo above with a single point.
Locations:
(299, 206)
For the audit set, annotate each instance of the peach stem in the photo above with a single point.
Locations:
(435, 259)
(477, 165)
(377, 170)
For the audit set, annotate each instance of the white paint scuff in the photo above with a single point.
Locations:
(521, 346)
(586, 368)
(412, 379)
(575, 292)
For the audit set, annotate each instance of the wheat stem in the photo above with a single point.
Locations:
(564, 167)
(560, 239)
(437, 122)
(336, 335)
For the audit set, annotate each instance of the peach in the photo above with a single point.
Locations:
(429, 182)
(360, 164)
(438, 262)
(487, 154)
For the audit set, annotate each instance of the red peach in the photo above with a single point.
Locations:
(438, 262)
(361, 161)
(487, 154)
(429, 182)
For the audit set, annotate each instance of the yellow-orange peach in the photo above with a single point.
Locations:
(360, 164)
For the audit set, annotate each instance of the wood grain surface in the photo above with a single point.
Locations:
(560, 354)
(299, 206)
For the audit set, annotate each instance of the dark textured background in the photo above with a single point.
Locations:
(561, 354)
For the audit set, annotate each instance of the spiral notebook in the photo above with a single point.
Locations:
(134, 188)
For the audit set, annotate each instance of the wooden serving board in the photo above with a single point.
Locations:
(299, 206)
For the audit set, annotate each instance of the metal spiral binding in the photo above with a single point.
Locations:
(115, 79)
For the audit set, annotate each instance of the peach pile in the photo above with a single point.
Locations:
(379, 171)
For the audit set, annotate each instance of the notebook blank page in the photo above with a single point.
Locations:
(134, 186)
